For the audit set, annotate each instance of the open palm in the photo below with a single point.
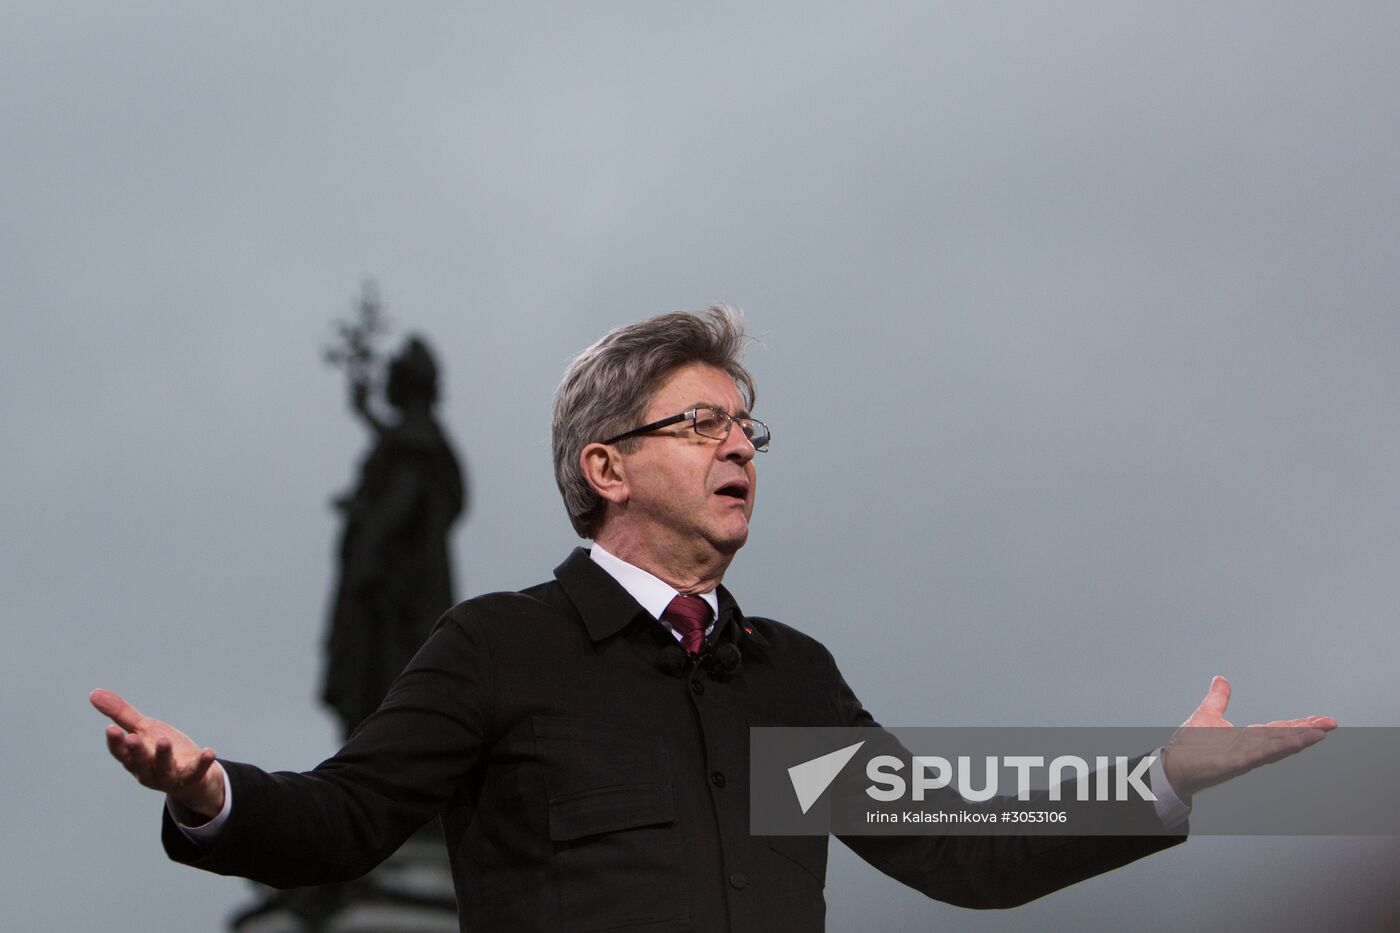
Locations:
(1207, 750)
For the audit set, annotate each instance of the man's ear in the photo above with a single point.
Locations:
(603, 468)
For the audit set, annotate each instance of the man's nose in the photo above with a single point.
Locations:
(736, 446)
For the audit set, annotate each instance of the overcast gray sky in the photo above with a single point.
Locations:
(1079, 321)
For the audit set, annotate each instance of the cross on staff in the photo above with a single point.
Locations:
(355, 351)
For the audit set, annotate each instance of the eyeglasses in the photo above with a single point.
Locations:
(714, 423)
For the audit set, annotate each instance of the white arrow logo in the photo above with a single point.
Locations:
(811, 778)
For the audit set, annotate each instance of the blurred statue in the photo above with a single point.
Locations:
(395, 580)
(395, 570)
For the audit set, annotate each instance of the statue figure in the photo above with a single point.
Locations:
(395, 581)
(395, 570)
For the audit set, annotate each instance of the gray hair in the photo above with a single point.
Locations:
(607, 388)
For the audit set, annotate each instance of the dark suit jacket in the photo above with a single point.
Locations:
(582, 787)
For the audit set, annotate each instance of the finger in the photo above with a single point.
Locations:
(138, 757)
(1295, 742)
(113, 706)
(1282, 743)
(163, 763)
(1325, 723)
(206, 759)
(116, 743)
(1217, 697)
(1313, 736)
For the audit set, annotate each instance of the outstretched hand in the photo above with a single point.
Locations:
(1207, 750)
(160, 756)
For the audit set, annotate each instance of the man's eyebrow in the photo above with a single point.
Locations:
(741, 413)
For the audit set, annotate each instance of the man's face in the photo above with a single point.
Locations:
(687, 492)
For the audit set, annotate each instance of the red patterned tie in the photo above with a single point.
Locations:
(688, 615)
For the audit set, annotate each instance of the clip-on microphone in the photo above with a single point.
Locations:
(721, 662)
(673, 660)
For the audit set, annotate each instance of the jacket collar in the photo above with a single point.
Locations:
(607, 608)
(604, 605)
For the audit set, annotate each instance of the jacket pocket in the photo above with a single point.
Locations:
(806, 852)
(611, 809)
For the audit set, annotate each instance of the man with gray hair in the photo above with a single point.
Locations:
(585, 741)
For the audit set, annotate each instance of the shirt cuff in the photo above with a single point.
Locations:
(205, 833)
(1171, 809)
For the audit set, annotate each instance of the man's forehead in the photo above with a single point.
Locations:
(698, 386)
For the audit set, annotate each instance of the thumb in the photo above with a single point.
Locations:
(1217, 697)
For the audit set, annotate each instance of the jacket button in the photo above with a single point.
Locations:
(717, 778)
(739, 880)
(697, 686)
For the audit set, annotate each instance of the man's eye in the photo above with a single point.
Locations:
(706, 421)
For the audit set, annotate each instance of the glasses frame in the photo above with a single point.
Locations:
(690, 416)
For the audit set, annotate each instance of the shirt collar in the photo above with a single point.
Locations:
(651, 591)
(606, 608)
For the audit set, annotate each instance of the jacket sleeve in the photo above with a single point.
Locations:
(990, 871)
(396, 772)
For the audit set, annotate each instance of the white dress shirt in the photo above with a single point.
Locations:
(654, 593)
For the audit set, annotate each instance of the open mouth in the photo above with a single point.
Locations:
(735, 490)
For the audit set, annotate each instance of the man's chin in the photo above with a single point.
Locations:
(730, 542)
